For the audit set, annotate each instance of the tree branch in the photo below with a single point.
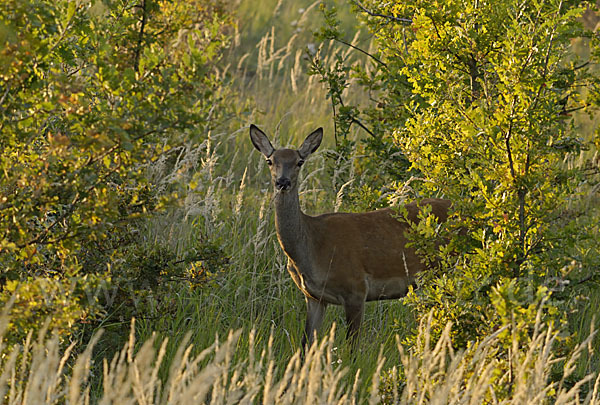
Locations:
(507, 137)
(138, 50)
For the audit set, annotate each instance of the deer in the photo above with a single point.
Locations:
(340, 258)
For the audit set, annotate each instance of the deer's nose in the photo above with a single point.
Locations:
(283, 183)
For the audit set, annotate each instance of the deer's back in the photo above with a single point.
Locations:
(354, 248)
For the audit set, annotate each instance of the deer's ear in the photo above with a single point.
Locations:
(311, 143)
(260, 141)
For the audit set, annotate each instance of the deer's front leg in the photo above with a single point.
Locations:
(314, 317)
(354, 307)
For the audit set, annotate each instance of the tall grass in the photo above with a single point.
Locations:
(269, 62)
(228, 201)
(35, 373)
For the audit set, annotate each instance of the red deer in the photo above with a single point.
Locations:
(339, 258)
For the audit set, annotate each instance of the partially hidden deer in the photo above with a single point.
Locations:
(339, 258)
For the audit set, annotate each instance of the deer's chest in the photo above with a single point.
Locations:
(311, 286)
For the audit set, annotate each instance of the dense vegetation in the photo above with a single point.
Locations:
(129, 188)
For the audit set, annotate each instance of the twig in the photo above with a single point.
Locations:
(5, 94)
(353, 120)
(582, 65)
(570, 110)
(583, 280)
(388, 17)
(360, 124)
(334, 122)
(375, 58)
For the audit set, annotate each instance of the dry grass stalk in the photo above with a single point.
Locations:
(439, 375)
(35, 373)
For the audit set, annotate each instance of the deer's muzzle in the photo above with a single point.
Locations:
(283, 184)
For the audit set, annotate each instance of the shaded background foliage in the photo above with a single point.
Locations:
(93, 93)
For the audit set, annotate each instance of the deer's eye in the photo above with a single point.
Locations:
(269, 162)
(300, 163)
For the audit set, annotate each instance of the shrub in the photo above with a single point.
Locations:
(92, 93)
(482, 97)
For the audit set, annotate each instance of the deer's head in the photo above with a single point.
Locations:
(285, 164)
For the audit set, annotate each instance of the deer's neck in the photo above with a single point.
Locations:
(290, 225)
